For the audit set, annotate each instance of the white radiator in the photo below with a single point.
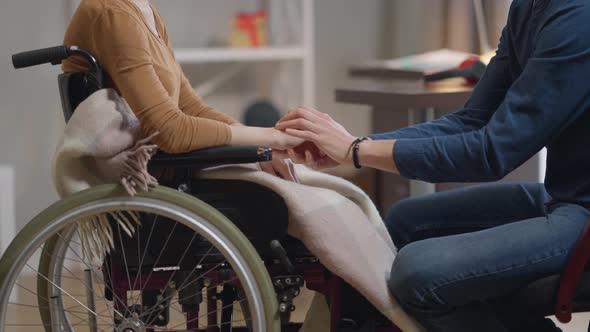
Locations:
(7, 216)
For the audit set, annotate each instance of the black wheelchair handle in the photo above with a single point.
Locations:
(53, 55)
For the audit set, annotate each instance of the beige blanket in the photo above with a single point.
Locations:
(335, 219)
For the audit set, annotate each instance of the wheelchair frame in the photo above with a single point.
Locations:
(289, 274)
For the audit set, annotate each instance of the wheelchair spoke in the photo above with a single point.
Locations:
(63, 291)
(179, 263)
(185, 284)
(84, 321)
(163, 300)
(181, 259)
(100, 313)
(149, 238)
(160, 255)
(40, 296)
(73, 275)
(47, 325)
(100, 278)
(27, 305)
(125, 259)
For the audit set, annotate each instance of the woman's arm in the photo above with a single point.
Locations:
(271, 137)
(191, 104)
(123, 50)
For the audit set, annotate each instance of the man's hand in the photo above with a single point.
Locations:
(308, 154)
(331, 139)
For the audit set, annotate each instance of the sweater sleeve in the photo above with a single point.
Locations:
(547, 97)
(190, 103)
(486, 97)
(123, 51)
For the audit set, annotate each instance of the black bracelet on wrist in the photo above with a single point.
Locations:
(355, 151)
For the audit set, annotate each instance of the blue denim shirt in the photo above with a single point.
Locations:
(535, 93)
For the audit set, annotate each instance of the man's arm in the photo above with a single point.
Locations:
(550, 94)
(377, 154)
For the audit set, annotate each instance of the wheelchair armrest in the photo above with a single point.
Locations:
(570, 278)
(210, 157)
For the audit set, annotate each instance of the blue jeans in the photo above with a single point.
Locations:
(462, 251)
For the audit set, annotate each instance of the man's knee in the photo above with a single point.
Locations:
(400, 221)
(413, 279)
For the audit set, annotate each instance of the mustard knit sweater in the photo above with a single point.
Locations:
(145, 72)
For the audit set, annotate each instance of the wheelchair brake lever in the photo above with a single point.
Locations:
(281, 253)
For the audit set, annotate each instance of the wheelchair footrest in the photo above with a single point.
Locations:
(287, 287)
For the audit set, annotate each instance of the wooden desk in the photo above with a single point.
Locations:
(398, 103)
(380, 69)
(398, 95)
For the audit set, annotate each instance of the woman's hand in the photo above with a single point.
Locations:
(271, 137)
(280, 140)
(331, 139)
(282, 168)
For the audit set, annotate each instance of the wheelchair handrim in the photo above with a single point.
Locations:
(252, 285)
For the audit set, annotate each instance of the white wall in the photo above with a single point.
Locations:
(30, 119)
(347, 32)
(423, 25)
(7, 219)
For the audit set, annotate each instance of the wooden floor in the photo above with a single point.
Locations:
(579, 323)
(25, 316)
(29, 315)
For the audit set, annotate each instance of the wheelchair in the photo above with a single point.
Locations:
(203, 255)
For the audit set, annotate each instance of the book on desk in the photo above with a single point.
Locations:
(414, 66)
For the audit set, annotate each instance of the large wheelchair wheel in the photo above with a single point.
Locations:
(185, 268)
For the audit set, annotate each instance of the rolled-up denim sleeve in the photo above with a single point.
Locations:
(548, 95)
